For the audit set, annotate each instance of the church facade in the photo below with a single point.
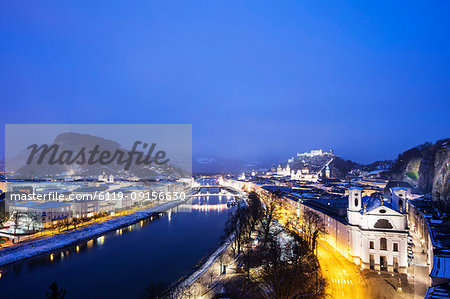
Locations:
(374, 233)
(378, 230)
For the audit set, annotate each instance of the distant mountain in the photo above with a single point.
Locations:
(205, 164)
(74, 142)
(341, 167)
(427, 167)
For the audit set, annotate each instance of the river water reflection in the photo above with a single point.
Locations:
(122, 263)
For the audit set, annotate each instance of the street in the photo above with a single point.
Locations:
(418, 271)
(344, 278)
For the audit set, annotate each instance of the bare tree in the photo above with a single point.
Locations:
(271, 207)
(16, 217)
(67, 223)
(36, 219)
(242, 288)
(255, 212)
(292, 275)
(75, 222)
(211, 275)
(28, 218)
(3, 219)
(314, 227)
(61, 223)
(237, 224)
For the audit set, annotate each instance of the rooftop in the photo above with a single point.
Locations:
(374, 202)
(399, 188)
(43, 205)
(355, 188)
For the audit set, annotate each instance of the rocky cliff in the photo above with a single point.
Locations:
(441, 181)
(426, 167)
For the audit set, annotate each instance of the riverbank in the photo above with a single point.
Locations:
(199, 283)
(209, 262)
(20, 252)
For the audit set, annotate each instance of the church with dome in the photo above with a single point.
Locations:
(378, 230)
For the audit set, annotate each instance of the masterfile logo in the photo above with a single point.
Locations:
(147, 152)
(95, 156)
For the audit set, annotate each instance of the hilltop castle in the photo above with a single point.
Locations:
(308, 166)
(314, 153)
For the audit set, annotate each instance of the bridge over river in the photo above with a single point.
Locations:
(214, 190)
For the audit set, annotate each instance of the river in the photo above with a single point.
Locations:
(124, 262)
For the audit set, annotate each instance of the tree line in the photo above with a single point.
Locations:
(33, 220)
(274, 269)
(268, 266)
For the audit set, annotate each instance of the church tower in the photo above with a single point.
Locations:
(327, 172)
(354, 205)
(398, 198)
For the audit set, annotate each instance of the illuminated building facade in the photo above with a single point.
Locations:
(378, 231)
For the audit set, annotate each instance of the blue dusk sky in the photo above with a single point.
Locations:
(256, 79)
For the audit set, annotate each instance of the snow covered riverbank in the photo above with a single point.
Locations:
(33, 248)
(190, 280)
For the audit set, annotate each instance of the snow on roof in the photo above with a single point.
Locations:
(375, 171)
(27, 204)
(435, 221)
(42, 205)
(302, 195)
(399, 188)
(437, 292)
(51, 204)
(90, 189)
(355, 188)
(441, 267)
(375, 202)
